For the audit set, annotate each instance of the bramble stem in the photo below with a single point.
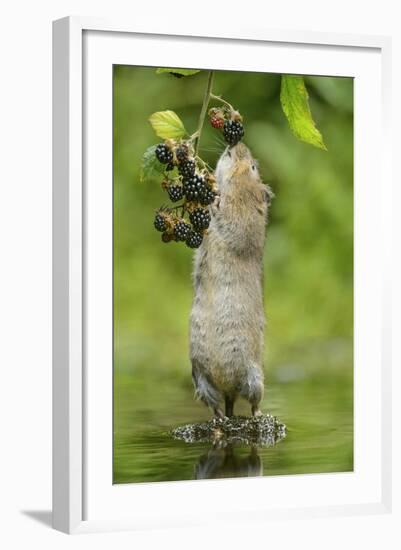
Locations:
(177, 207)
(206, 99)
(218, 98)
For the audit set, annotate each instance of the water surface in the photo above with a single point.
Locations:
(316, 409)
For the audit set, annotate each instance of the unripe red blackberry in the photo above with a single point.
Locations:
(217, 122)
(182, 230)
(163, 153)
(187, 168)
(175, 192)
(160, 222)
(233, 131)
(194, 187)
(200, 218)
(194, 239)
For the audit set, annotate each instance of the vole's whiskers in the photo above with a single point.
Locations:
(219, 141)
(217, 146)
(210, 149)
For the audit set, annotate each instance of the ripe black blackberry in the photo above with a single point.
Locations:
(163, 153)
(175, 192)
(160, 222)
(194, 187)
(200, 218)
(233, 131)
(182, 153)
(187, 168)
(167, 237)
(207, 197)
(182, 230)
(194, 239)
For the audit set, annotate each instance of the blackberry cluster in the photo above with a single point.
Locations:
(233, 131)
(194, 187)
(194, 239)
(230, 121)
(200, 218)
(175, 192)
(181, 230)
(164, 154)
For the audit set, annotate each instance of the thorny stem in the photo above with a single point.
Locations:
(206, 99)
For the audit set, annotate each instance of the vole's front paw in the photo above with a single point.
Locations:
(215, 204)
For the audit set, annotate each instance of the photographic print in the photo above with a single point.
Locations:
(233, 274)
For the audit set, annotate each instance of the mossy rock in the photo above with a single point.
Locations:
(264, 431)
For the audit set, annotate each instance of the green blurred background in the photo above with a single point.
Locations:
(308, 278)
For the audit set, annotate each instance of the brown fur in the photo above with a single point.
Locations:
(227, 317)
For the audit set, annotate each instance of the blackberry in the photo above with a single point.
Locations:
(200, 218)
(167, 237)
(233, 131)
(175, 192)
(181, 153)
(160, 222)
(187, 168)
(194, 239)
(170, 166)
(182, 230)
(207, 197)
(194, 187)
(163, 153)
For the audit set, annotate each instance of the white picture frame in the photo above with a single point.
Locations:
(84, 500)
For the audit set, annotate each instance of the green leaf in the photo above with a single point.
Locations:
(151, 168)
(178, 72)
(294, 101)
(167, 125)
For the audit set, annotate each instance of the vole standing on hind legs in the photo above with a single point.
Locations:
(227, 317)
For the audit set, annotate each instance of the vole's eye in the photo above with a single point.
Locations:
(253, 167)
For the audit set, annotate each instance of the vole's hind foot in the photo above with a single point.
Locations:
(218, 413)
(229, 406)
(205, 390)
(256, 411)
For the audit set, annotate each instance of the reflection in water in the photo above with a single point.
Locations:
(225, 462)
(226, 457)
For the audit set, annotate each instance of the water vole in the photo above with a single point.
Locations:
(227, 317)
